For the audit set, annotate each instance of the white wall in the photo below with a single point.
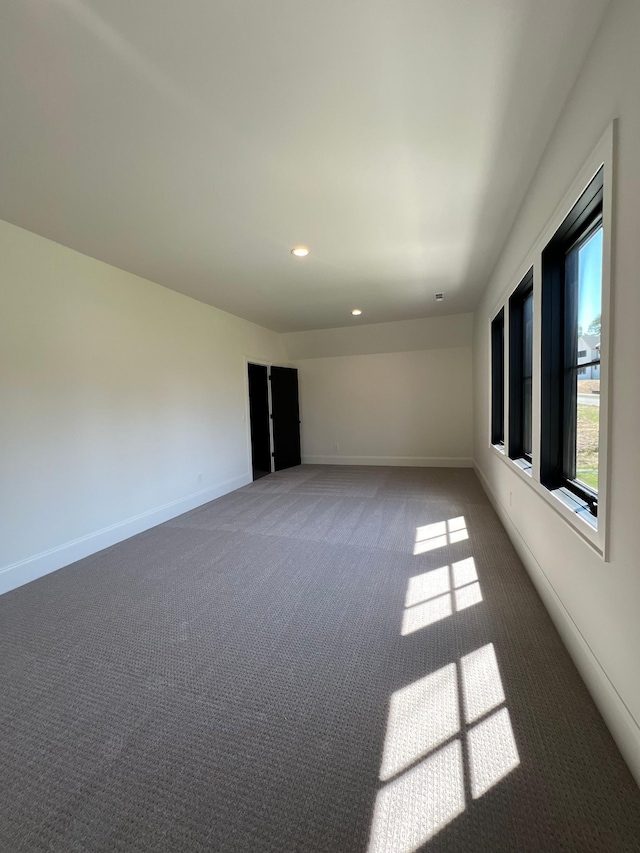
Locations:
(386, 394)
(116, 394)
(452, 330)
(595, 604)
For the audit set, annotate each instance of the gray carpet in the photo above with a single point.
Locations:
(316, 662)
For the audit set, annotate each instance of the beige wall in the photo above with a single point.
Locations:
(117, 394)
(595, 604)
(386, 394)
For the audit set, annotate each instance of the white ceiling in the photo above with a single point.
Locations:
(196, 142)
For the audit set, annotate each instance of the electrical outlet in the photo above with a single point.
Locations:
(336, 447)
(200, 478)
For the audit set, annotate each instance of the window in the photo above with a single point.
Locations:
(571, 317)
(521, 369)
(497, 379)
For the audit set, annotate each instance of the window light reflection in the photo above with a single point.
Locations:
(415, 806)
(492, 752)
(427, 585)
(440, 533)
(464, 572)
(423, 762)
(435, 595)
(428, 613)
(421, 716)
(481, 683)
(468, 596)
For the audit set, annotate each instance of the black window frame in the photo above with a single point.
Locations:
(559, 345)
(497, 379)
(519, 446)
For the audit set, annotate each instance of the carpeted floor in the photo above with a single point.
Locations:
(330, 659)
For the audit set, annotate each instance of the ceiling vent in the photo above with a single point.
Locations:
(439, 297)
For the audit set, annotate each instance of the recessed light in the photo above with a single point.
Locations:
(439, 297)
(356, 312)
(300, 251)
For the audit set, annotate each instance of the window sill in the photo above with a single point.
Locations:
(568, 505)
(524, 465)
(576, 505)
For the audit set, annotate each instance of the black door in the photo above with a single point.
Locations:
(286, 417)
(259, 417)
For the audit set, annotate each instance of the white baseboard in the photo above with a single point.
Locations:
(619, 719)
(394, 461)
(29, 569)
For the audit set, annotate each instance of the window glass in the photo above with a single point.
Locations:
(527, 371)
(521, 368)
(497, 379)
(584, 271)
